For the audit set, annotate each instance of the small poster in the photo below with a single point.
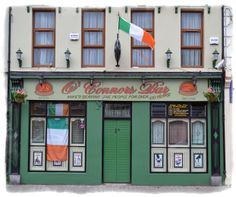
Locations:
(77, 159)
(178, 159)
(198, 160)
(158, 160)
(57, 163)
(178, 110)
(37, 158)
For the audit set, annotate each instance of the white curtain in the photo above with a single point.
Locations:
(158, 132)
(142, 57)
(44, 56)
(44, 20)
(93, 20)
(191, 20)
(198, 133)
(191, 39)
(143, 19)
(93, 56)
(191, 57)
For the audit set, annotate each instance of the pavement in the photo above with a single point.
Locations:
(85, 189)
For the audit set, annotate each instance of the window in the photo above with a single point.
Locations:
(178, 137)
(117, 110)
(93, 35)
(43, 38)
(57, 136)
(191, 39)
(141, 54)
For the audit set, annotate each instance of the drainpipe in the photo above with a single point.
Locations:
(8, 91)
(223, 82)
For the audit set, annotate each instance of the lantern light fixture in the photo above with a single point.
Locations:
(19, 57)
(67, 56)
(168, 57)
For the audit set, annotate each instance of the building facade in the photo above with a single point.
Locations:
(152, 117)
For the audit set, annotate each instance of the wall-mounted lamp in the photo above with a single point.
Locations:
(91, 80)
(67, 56)
(41, 80)
(194, 81)
(19, 58)
(168, 57)
(143, 80)
(215, 57)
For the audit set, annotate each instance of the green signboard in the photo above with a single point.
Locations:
(116, 90)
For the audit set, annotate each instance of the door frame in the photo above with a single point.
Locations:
(124, 118)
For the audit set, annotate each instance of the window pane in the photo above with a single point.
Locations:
(158, 129)
(44, 20)
(38, 130)
(117, 110)
(191, 20)
(198, 133)
(77, 109)
(142, 57)
(44, 56)
(158, 110)
(178, 133)
(78, 127)
(191, 57)
(38, 108)
(191, 39)
(44, 38)
(93, 38)
(198, 111)
(143, 19)
(93, 56)
(60, 109)
(93, 19)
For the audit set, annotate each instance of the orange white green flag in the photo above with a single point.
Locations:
(136, 32)
(57, 139)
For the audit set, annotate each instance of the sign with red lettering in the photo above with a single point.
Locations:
(116, 90)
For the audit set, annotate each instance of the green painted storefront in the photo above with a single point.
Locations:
(119, 158)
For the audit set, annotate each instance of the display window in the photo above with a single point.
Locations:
(178, 137)
(57, 136)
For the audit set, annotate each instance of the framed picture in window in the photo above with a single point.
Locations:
(77, 159)
(158, 160)
(57, 163)
(37, 158)
(178, 159)
(198, 160)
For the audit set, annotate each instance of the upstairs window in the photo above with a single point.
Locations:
(93, 41)
(191, 39)
(44, 38)
(141, 54)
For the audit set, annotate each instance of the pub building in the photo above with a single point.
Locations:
(90, 103)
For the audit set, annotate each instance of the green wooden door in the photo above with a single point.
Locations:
(116, 151)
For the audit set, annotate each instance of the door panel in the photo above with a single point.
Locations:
(117, 151)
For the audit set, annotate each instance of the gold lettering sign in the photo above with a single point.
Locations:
(178, 110)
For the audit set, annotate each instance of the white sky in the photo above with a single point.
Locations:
(81, 3)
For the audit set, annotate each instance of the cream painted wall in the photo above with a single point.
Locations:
(167, 35)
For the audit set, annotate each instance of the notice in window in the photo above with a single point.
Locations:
(178, 110)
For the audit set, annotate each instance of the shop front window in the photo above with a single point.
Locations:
(57, 136)
(178, 137)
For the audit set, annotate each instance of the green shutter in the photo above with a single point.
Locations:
(117, 151)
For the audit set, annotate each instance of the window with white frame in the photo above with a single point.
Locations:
(178, 137)
(57, 136)
(43, 37)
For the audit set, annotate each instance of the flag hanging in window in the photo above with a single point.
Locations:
(136, 32)
(57, 139)
(58, 109)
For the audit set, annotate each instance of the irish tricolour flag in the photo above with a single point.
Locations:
(136, 32)
(57, 139)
